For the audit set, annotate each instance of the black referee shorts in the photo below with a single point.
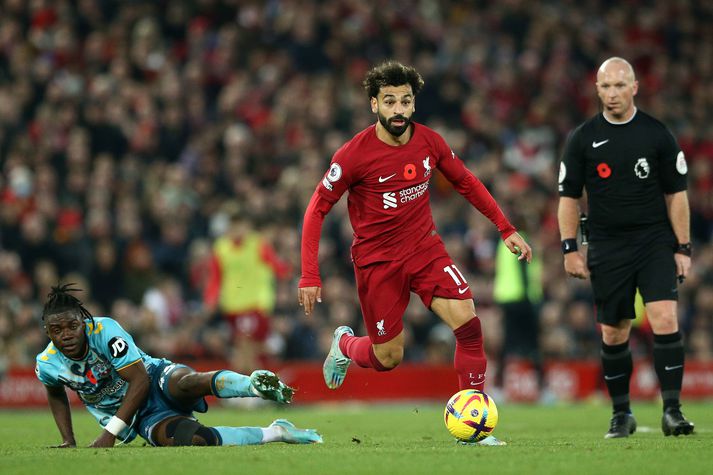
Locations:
(619, 267)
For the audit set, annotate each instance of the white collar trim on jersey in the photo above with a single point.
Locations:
(623, 122)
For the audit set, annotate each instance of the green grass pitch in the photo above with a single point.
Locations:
(379, 439)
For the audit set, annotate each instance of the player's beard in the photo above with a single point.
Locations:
(396, 131)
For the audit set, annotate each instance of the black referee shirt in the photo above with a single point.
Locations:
(626, 169)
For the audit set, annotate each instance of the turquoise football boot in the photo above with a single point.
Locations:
(293, 435)
(336, 365)
(267, 385)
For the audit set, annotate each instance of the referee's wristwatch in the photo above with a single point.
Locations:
(684, 249)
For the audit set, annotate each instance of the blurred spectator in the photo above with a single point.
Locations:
(241, 287)
(106, 276)
(518, 292)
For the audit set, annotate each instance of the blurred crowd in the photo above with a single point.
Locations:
(129, 128)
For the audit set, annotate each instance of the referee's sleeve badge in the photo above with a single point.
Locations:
(681, 166)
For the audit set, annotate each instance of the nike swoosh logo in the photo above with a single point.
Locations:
(609, 378)
(671, 368)
(462, 291)
(383, 179)
(599, 144)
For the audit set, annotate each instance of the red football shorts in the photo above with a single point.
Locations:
(385, 288)
(254, 326)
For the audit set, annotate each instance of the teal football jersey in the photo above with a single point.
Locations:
(95, 377)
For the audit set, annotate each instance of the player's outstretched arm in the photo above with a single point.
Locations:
(59, 405)
(308, 297)
(309, 289)
(519, 246)
(135, 374)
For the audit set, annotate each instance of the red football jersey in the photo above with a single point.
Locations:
(388, 198)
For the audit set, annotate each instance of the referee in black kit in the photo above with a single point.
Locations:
(635, 175)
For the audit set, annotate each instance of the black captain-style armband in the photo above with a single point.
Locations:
(684, 249)
(569, 245)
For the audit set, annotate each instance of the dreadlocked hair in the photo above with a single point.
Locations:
(60, 300)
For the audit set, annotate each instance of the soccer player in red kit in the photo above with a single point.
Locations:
(387, 168)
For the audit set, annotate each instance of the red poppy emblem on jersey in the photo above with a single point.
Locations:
(410, 171)
(90, 376)
(604, 170)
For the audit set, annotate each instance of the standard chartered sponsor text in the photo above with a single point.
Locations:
(409, 194)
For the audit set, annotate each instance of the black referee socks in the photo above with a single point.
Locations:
(617, 366)
(668, 361)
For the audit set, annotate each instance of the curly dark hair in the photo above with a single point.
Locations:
(391, 73)
(60, 300)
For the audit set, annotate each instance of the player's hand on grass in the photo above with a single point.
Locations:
(519, 246)
(65, 445)
(575, 266)
(105, 439)
(308, 296)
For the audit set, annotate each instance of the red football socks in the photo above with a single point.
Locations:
(469, 360)
(360, 351)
